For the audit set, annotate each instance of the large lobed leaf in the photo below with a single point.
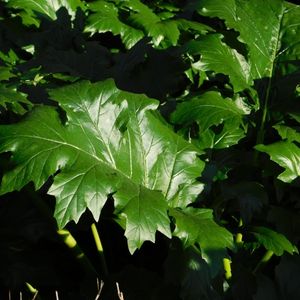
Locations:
(112, 143)
(270, 43)
(271, 49)
(46, 7)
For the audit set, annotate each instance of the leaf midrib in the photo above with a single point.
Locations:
(75, 147)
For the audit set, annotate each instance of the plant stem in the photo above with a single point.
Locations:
(267, 256)
(227, 268)
(99, 248)
(261, 131)
(239, 235)
(32, 290)
(71, 243)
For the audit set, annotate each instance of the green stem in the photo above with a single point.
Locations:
(267, 256)
(65, 236)
(32, 290)
(71, 243)
(261, 131)
(239, 235)
(227, 268)
(239, 238)
(99, 248)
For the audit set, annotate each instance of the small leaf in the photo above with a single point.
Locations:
(287, 155)
(5, 73)
(207, 109)
(105, 19)
(218, 57)
(142, 17)
(288, 133)
(230, 135)
(10, 99)
(273, 240)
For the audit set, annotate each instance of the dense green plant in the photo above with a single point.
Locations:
(171, 122)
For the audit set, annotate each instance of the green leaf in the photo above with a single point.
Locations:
(145, 213)
(287, 133)
(197, 227)
(160, 30)
(105, 18)
(186, 25)
(10, 99)
(230, 135)
(287, 155)
(270, 44)
(218, 57)
(273, 240)
(46, 7)
(112, 143)
(5, 73)
(207, 109)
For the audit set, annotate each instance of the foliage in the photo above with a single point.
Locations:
(171, 125)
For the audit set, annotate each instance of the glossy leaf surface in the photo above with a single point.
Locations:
(112, 143)
(207, 109)
(219, 57)
(269, 43)
(273, 240)
(287, 155)
(105, 19)
(46, 7)
(11, 99)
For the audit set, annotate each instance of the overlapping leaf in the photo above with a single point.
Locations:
(288, 133)
(13, 100)
(45, 7)
(207, 109)
(105, 19)
(211, 109)
(273, 240)
(287, 155)
(230, 135)
(142, 21)
(269, 43)
(196, 226)
(219, 57)
(112, 143)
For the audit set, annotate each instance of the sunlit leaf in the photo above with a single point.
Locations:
(112, 143)
(273, 240)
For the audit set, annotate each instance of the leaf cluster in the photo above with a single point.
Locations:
(171, 126)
